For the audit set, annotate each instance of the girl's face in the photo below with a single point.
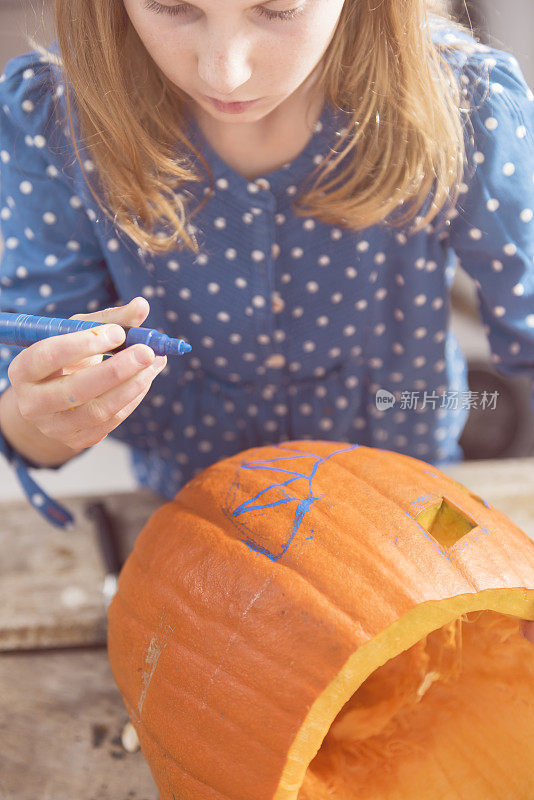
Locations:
(233, 50)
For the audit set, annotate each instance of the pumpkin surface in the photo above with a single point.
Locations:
(327, 621)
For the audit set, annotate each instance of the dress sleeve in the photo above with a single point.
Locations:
(492, 228)
(51, 263)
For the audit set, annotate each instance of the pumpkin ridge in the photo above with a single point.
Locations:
(203, 657)
(182, 768)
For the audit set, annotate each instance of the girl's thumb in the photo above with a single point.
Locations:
(133, 313)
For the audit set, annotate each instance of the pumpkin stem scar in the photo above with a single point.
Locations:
(304, 504)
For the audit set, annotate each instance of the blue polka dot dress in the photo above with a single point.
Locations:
(299, 329)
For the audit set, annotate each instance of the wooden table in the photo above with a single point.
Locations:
(61, 714)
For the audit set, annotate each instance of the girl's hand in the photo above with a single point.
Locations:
(526, 629)
(66, 389)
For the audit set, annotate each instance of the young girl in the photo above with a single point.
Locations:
(288, 186)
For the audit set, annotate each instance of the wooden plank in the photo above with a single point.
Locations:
(61, 718)
(51, 580)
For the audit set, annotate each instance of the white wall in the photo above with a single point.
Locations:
(511, 27)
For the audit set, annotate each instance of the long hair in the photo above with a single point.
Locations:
(403, 141)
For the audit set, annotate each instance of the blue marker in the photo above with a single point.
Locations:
(25, 329)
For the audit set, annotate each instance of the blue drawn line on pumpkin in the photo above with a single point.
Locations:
(428, 536)
(304, 504)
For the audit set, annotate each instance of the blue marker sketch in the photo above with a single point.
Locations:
(275, 495)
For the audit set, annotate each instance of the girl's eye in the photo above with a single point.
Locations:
(183, 8)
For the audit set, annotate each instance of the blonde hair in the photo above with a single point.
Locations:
(403, 139)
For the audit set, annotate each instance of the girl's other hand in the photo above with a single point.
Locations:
(526, 629)
(66, 389)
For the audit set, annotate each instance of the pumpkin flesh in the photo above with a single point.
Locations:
(447, 700)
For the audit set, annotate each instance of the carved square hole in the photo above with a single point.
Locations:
(445, 522)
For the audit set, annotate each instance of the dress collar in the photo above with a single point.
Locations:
(285, 181)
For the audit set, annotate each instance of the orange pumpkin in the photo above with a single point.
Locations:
(322, 620)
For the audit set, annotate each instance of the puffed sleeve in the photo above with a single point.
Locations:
(51, 263)
(493, 230)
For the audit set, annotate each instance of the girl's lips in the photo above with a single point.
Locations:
(231, 108)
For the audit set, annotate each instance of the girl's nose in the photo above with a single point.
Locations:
(224, 65)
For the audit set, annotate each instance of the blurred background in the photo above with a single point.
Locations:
(506, 432)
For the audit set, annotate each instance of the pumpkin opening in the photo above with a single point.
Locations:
(440, 720)
(445, 522)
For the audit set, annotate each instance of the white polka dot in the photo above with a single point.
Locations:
(499, 311)
(521, 132)
(492, 204)
(312, 287)
(496, 265)
(52, 171)
(113, 245)
(530, 320)
(73, 245)
(49, 218)
(219, 223)
(518, 289)
(420, 300)
(12, 242)
(26, 187)
(50, 260)
(478, 157)
(508, 168)
(475, 233)
(4, 156)
(526, 215)
(510, 249)
(39, 141)
(257, 255)
(185, 293)
(45, 290)
(75, 201)
(258, 301)
(5, 213)
(27, 106)
(337, 297)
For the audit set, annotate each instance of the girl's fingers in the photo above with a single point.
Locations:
(108, 410)
(42, 359)
(88, 384)
(526, 629)
(87, 437)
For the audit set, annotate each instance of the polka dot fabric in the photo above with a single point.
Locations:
(296, 325)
